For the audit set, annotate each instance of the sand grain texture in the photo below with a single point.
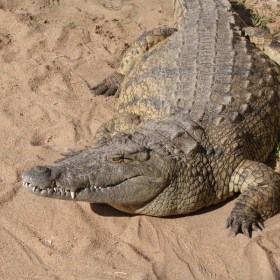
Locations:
(50, 51)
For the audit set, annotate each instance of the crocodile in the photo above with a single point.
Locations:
(198, 114)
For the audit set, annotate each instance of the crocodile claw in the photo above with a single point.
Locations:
(111, 86)
(240, 222)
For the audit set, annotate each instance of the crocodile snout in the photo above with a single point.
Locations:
(38, 175)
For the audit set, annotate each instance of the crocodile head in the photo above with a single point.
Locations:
(120, 172)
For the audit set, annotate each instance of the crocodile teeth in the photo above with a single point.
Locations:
(34, 189)
(73, 194)
(50, 191)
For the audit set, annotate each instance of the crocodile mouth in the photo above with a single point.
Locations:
(134, 190)
(60, 193)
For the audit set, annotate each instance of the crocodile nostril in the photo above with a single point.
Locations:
(43, 169)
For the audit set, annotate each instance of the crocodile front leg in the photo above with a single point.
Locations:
(260, 196)
(112, 84)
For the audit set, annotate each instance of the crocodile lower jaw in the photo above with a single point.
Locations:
(135, 190)
(59, 193)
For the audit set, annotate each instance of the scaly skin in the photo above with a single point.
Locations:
(198, 111)
(264, 41)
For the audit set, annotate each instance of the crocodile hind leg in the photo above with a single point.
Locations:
(118, 124)
(264, 41)
(260, 196)
(112, 84)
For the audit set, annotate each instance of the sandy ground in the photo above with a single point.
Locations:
(50, 51)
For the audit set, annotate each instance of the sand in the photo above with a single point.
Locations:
(50, 51)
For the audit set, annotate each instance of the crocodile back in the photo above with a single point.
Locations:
(185, 72)
(208, 71)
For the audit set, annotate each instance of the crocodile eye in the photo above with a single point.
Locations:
(117, 159)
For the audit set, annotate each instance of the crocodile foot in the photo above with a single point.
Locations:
(245, 222)
(259, 199)
(111, 86)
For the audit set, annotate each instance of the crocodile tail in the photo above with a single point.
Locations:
(184, 10)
